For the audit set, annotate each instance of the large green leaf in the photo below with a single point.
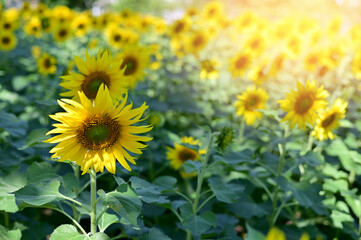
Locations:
(253, 234)
(8, 185)
(225, 192)
(166, 182)
(37, 136)
(41, 171)
(124, 202)
(12, 124)
(199, 224)
(69, 232)
(9, 234)
(38, 194)
(156, 234)
(106, 220)
(146, 191)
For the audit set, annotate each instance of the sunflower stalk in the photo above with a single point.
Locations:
(93, 189)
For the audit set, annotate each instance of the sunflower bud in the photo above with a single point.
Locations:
(225, 138)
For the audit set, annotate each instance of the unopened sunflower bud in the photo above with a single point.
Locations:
(225, 138)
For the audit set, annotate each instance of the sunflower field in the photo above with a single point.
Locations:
(207, 120)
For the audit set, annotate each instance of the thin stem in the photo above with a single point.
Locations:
(280, 209)
(263, 186)
(88, 183)
(205, 192)
(76, 202)
(176, 214)
(182, 195)
(93, 195)
(205, 202)
(101, 214)
(359, 221)
(189, 235)
(6, 219)
(241, 130)
(309, 142)
(72, 219)
(201, 175)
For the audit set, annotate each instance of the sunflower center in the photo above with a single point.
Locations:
(131, 65)
(7, 25)
(62, 33)
(98, 132)
(251, 103)
(92, 83)
(187, 154)
(47, 63)
(117, 37)
(81, 26)
(5, 40)
(179, 27)
(241, 62)
(328, 121)
(303, 104)
(198, 41)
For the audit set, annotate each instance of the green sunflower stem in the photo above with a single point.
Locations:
(310, 142)
(241, 129)
(93, 196)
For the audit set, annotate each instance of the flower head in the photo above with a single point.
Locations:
(95, 134)
(46, 64)
(302, 105)
(329, 120)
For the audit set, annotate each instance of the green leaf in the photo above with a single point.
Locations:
(225, 192)
(9, 234)
(37, 136)
(199, 224)
(341, 214)
(8, 185)
(253, 234)
(106, 220)
(166, 182)
(246, 208)
(12, 124)
(66, 232)
(124, 202)
(41, 171)
(69, 232)
(146, 191)
(156, 234)
(38, 194)
(335, 185)
(192, 166)
(310, 158)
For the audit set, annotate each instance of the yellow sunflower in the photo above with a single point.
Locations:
(118, 37)
(8, 41)
(213, 10)
(135, 60)
(62, 33)
(94, 72)
(259, 73)
(180, 153)
(302, 105)
(179, 27)
(80, 24)
(329, 120)
(196, 41)
(275, 234)
(33, 27)
(46, 64)
(240, 63)
(8, 25)
(250, 102)
(312, 60)
(209, 69)
(95, 134)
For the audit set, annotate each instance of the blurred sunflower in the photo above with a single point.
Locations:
(250, 102)
(94, 72)
(33, 27)
(118, 37)
(135, 60)
(179, 27)
(294, 46)
(256, 43)
(302, 105)
(8, 41)
(329, 120)
(312, 60)
(275, 234)
(62, 14)
(80, 24)
(214, 10)
(196, 41)
(62, 33)
(356, 65)
(277, 64)
(8, 25)
(180, 153)
(209, 69)
(96, 134)
(259, 73)
(46, 64)
(240, 63)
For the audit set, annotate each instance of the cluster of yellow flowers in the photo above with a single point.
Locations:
(97, 127)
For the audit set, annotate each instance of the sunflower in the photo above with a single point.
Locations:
(179, 27)
(95, 134)
(277, 64)
(329, 120)
(356, 65)
(62, 14)
(302, 105)
(135, 60)
(240, 63)
(118, 37)
(33, 27)
(46, 64)
(259, 73)
(94, 72)
(294, 45)
(275, 234)
(312, 60)
(256, 43)
(213, 10)
(62, 33)
(8, 25)
(250, 102)
(196, 41)
(8, 41)
(80, 24)
(181, 153)
(209, 69)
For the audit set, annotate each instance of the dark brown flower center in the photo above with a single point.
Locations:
(241, 62)
(5, 40)
(81, 26)
(198, 41)
(179, 27)
(7, 26)
(117, 37)
(303, 104)
(47, 63)
(187, 154)
(252, 102)
(92, 83)
(62, 33)
(131, 65)
(98, 132)
(328, 121)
